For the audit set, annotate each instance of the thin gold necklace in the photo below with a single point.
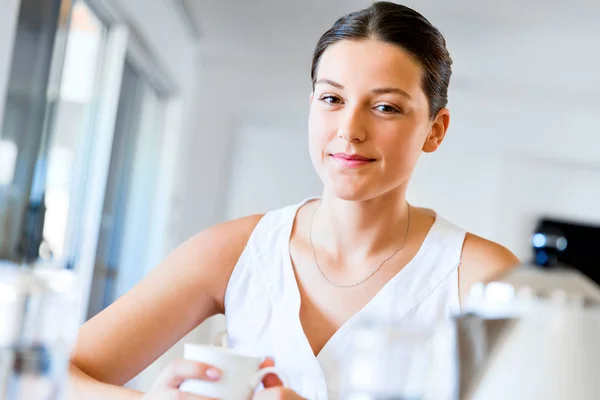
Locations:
(372, 273)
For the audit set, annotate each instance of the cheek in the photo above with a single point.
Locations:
(401, 151)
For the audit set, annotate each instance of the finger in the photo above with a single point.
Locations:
(271, 380)
(267, 362)
(181, 370)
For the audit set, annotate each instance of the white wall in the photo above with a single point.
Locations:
(271, 168)
(164, 33)
(518, 158)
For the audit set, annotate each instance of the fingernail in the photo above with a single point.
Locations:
(213, 373)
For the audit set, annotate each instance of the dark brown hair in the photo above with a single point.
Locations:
(404, 27)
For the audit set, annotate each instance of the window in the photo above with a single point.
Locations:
(39, 41)
(80, 146)
(72, 116)
(56, 81)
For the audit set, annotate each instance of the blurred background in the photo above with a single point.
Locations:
(126, 126)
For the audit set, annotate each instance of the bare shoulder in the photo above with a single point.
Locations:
(223, 241)
(176, 296)
(483, 259)
(213, 253)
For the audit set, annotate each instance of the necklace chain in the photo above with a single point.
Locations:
(372, 273)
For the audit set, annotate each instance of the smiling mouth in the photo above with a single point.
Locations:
(351, 160)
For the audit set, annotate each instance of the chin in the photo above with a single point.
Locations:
(351, 193)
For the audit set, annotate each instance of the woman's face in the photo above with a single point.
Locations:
(369, 119)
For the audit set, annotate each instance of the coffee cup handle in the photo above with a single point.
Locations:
(260, 375)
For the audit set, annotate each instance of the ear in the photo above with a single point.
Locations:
(437, 132)
(312, 95)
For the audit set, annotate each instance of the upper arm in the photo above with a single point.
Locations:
(482, 260)
(175, 297)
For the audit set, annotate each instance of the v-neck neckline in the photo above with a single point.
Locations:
(346, 327)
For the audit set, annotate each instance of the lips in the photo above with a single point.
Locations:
(351, 157)
(345, 160)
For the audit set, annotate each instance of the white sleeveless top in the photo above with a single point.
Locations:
(262, 301)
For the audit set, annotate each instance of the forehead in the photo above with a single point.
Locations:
(370, 63)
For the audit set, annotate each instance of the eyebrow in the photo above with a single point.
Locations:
(383, 90)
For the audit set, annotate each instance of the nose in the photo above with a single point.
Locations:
(351, 127)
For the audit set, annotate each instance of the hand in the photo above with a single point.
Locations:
(167, 385)
(274, 389)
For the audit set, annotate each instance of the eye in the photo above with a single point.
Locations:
(387, 109)
(330, 99)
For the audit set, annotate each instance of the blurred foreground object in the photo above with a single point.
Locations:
(530, 334)
(38, 327)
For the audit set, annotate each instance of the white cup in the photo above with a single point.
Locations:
(241, 374)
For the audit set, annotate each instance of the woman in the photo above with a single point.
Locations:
(292, 283)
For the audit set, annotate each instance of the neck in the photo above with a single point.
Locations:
(357, 230)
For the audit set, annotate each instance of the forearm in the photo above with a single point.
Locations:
(82, 386)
